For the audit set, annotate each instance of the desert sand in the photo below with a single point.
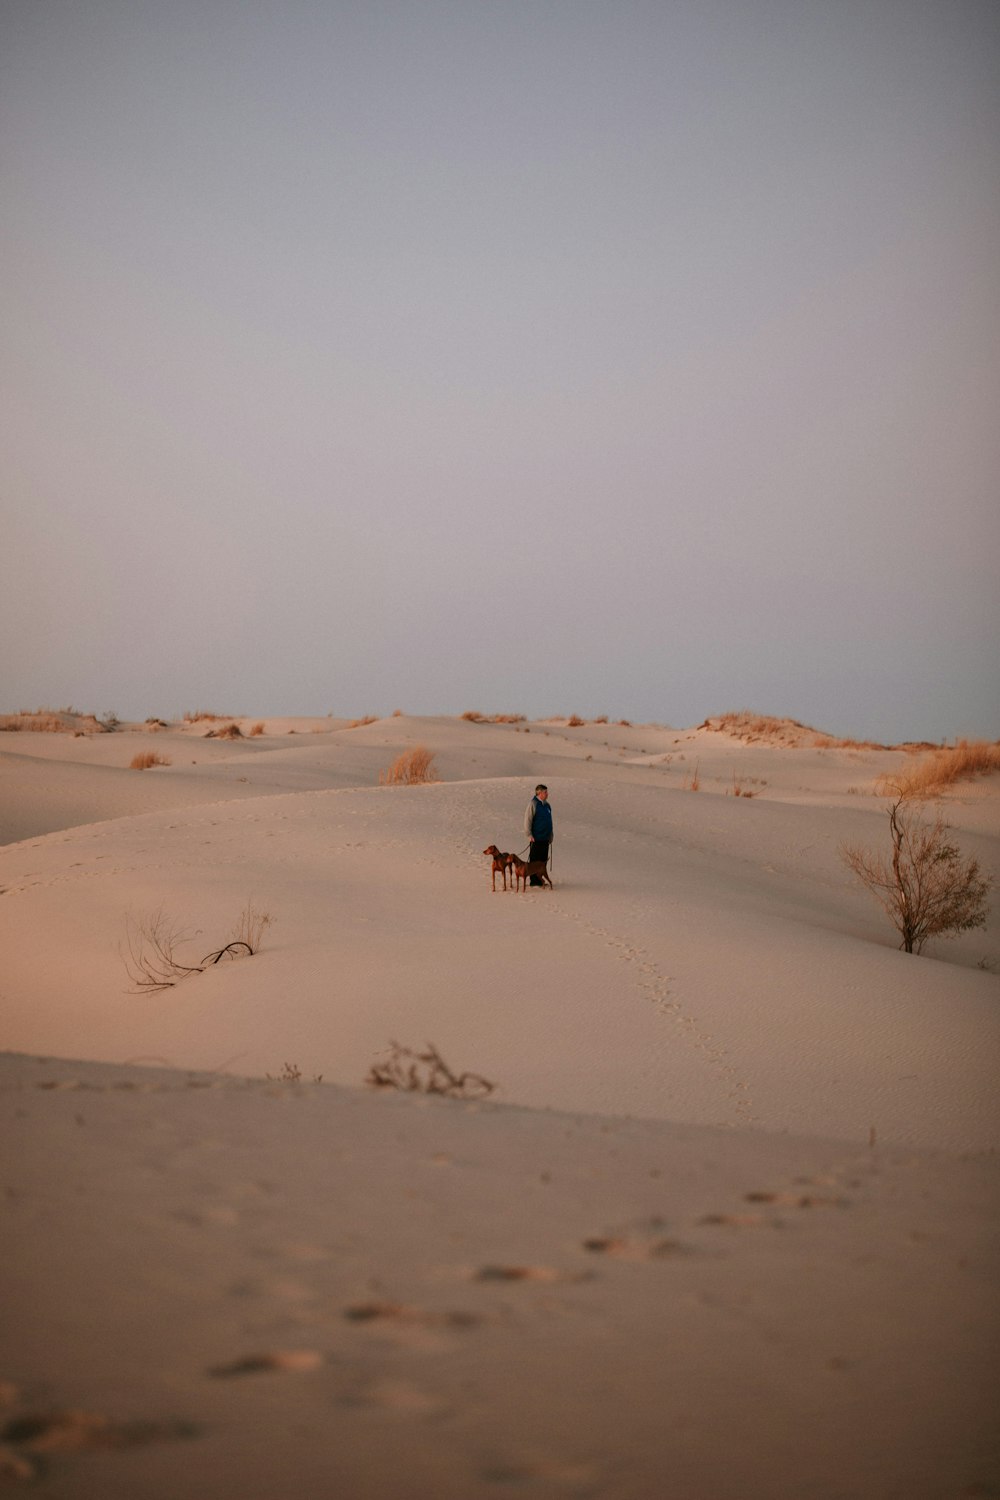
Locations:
(726, 1227)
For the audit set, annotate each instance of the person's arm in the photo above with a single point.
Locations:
(529, 817)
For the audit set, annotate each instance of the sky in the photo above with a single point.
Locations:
(541, 356)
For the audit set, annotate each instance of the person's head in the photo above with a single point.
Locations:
(541, 791)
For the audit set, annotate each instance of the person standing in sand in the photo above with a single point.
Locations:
(538, 827)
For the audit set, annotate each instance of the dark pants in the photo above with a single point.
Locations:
(539, 850)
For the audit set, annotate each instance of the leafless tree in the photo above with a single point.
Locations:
(925, 885)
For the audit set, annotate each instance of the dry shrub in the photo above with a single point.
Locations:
(603, 719)
(943, 768)
(228, 732)
(46, 721)
(256, 729)
(574, 721)
(203, 714)
(147, 758)
(425, 1073)
(767, 729)
(411, 768)
(507, 719)
(360, 723)
(151, 957)
(925, 886)
(472, 716)
(624, 723)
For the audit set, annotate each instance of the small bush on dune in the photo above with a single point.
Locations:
(425, 1073)
(146, 759)
(942, 768)
(925, 886)
(360, 723)
(412, 768)
(256, 729)
(228, 732)
(472, 717)
(152, 943)
(574, 721)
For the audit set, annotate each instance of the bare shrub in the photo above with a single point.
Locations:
(152, 943)
(360, 723)
(574, 721)
(255, 730)
(925, 886)
(472, 717)
(411, 768)
(147, 758)
(227, 732)
(291, 1073)
(251, 926)
(425, 1073)
(202, 714)
(942, 768)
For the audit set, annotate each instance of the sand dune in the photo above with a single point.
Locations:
(729, 1204)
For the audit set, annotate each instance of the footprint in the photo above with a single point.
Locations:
(735, 1221)
(281, 1360)
(398, 1313)
(797, 1200)
(622, 1247)
(573, 1477)
(73, 1431)
(547, 1274)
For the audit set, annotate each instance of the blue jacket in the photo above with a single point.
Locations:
(538, 820)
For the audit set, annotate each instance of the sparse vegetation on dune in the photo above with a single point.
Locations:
(768, 729)
(925, 885)
(413, 767)
(360, 723)
(472, 716)
(256, 729)
(151, 949)
(942, 768)
(425, 1073)
(147, 759)
(227, 732)
(53, 721)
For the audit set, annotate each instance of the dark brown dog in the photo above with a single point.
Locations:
(525, 868)
(501, 862)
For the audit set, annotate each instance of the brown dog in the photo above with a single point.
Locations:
(525, 868)
(501, 862)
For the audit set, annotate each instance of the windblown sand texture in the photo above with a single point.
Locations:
(726, 1228)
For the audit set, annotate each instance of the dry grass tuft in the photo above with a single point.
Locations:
(767, 729)
(49, 721)
(411, 768)
(228, 732)
(472, 716)
(574, 721)
(256, 729)
(360, 723)
(425, 1073)
(942, 768)
(147, 758)
(202, 714)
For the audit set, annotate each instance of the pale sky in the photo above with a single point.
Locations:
(546, 356)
